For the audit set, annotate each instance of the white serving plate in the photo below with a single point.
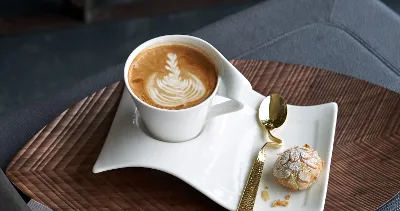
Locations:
(217, 162)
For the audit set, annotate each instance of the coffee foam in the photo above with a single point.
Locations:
(172, 77)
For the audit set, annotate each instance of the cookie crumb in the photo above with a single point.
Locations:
(284, 203)
(265, 195)
(287, 197)
(281, 203)
(307, 146)
(276, 203)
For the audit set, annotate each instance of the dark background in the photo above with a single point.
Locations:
(47, 46)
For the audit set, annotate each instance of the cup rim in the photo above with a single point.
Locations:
(132, 56)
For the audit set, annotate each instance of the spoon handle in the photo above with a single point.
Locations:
(275, 142)
(250, 190)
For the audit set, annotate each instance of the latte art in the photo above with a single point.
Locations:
(172, 77)
(172, 90)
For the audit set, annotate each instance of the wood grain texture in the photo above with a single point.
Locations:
(55, 166)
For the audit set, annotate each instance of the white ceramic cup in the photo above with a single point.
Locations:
(185, 124)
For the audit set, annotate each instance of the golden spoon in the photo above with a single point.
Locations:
(272, 114)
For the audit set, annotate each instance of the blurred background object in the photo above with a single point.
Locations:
(25, 15)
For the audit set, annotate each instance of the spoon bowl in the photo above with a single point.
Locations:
(272, 114)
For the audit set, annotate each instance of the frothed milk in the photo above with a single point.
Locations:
(172, 76)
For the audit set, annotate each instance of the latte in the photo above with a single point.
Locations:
(172, 76)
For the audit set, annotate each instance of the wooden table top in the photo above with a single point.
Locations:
(55, 166)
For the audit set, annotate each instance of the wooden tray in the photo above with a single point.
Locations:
(55, 166)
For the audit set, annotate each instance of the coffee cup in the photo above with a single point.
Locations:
(185, 123)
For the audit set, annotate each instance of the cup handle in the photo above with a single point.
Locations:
(224, 108)
(233, 85)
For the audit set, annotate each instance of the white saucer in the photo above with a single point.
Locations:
(217, 162)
